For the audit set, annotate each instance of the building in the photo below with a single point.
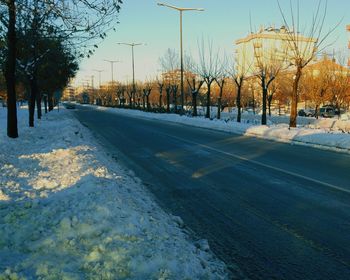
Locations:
(69, 93)
(270, 45)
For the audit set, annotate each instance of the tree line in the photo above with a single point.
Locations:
(42, 43)
(278, 76)
(217, 82)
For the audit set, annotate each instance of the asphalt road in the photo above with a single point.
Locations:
(278, 211)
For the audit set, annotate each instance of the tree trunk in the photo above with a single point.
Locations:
(38, 105)
(294, 105)
(219, 108)
(160, 100)
(175, 98)
(147, 102)
(264, 97)
(168, 100)
(50, 101)
(45, 103)
(10, 70)
(269, 101)
(194, 102)
(32, 99)
(238, 101)
(316, 111)
(207, 114)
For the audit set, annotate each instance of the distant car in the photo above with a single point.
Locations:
(327, 111)
(306, 113)
(310, 112)
(70, 106)
(302, 113)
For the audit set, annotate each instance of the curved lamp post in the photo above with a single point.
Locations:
(181, 50)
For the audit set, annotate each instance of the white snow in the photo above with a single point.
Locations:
(330, 134)
(68, 211)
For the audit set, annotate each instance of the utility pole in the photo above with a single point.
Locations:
(181, 48)
(112, 63)
(99, 77)
(132, 45)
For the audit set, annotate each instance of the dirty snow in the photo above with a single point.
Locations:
(68, 211)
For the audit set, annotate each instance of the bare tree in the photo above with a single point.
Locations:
(82, 20)
(121, 94)
(160, 85)
(168, 92)
(195, 86)
(10, 67)
(340, 86)
(209, 69)
(301, 50)
(147, 89)
(171, 75)
(316, 82)
(221, 83)
(268, 62)
(129, 92)
(238, 72)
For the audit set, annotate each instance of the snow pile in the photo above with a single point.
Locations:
(67, 211)
(331, 134)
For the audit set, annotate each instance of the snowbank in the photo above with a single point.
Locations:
(330, 134)
(68, 211)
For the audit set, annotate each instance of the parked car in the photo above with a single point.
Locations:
(310, 112)
(301, 113)
(327, 111)
(70, 106)
(306, 113)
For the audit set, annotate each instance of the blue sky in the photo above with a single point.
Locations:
(223, 22)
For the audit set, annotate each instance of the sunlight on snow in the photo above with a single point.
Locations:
(60, 169)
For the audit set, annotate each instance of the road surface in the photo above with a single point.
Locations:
(277, 211)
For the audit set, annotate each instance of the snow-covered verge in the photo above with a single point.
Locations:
(68, 211)
(331, 134)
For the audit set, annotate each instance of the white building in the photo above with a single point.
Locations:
(272, 45)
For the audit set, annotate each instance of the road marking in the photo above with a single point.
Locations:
(263, 164)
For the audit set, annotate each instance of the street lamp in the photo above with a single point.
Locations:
(112, 62)
(181, 51)
(132, 45)
(99, 77)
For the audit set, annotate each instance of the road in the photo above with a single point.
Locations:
(277, 211)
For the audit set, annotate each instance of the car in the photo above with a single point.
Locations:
(327, 111)
(306, 113)
(302, 113)
(70, 106)
(310, 112)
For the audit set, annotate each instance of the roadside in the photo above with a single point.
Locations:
(328, 134)
(69, 211)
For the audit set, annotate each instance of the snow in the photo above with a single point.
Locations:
(69, 211)
(330, 134)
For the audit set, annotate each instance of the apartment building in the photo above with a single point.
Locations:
(270, 45)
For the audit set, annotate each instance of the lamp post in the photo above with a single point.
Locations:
(99, 77)
(112, 63)
(181, 49)
(132, 45)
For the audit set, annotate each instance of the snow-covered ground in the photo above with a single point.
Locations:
(331, 134)
(69, 211)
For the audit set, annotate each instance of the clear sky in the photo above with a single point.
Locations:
(222, 21)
